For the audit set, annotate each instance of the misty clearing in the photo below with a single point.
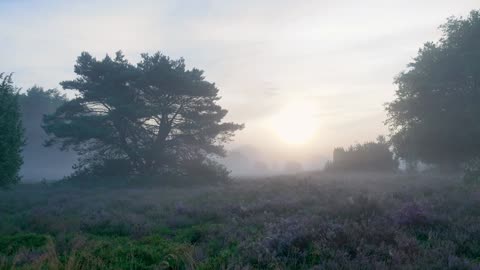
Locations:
(293, 149)
(323, 221)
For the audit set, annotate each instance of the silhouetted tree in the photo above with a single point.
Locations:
(435, 116)
(370, 156)
(11, 132)
(155, 116)
(39, 161)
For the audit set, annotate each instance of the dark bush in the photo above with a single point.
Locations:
(370, 156)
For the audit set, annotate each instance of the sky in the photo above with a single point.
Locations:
(303, 76)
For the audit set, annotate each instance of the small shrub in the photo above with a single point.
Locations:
(411, 214)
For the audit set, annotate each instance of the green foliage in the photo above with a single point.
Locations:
(95, 253)
(12, 244)
(149, 253)
(107, 228)
(370, 156)
(434, 117)
(193, 234)
(154, 117)
(11, 132)
(221, 259)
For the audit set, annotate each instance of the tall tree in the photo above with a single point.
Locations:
(156, 115)
(11, 132)
(435, 117)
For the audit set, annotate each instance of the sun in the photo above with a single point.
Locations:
(296, 123)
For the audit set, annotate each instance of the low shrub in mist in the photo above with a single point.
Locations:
(370, 156)
(117, 175)
(411, 214)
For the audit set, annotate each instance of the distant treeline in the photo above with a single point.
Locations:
(370, 156)
(434, 118)
(41, 161)
(159, 118)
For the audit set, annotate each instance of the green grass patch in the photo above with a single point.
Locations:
(10, 245)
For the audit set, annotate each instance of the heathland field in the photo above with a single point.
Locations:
(323, 221)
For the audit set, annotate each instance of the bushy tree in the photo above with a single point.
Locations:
(435, 116)
(40, 161)
(370, 156)
(11, 132)
(152, 117)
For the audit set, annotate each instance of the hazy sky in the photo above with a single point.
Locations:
(334, 61)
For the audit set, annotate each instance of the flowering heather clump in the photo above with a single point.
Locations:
(291, 233)
(323, 222)
(411, 214)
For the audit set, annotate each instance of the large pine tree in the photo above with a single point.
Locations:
(145, 118)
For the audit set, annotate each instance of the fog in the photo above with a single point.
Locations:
(221, 134)
(337, 59)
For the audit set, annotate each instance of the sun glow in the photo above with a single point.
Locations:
(295, 124)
